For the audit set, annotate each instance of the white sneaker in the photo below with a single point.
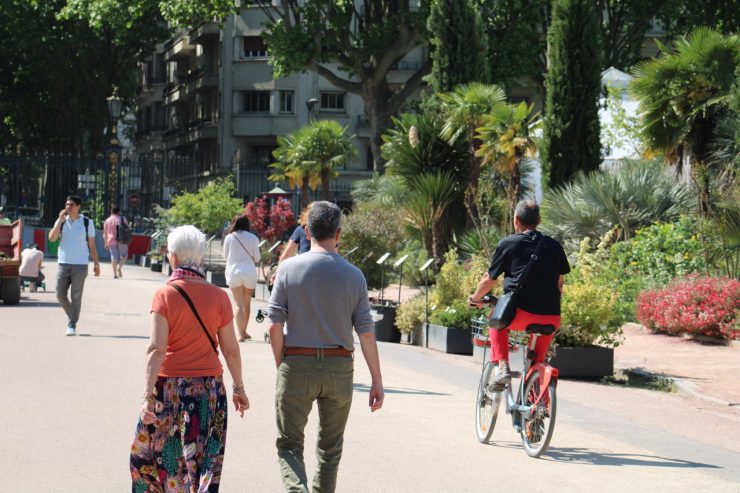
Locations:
(71, 331)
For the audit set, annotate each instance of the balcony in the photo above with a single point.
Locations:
(205, 33)
(179, 49)
(202, 81)
(203, 131)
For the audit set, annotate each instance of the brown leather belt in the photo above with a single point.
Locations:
(317, 351)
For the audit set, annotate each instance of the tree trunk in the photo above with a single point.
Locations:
(471, 194)
(516, 183)
(304, 193)
(379, 113)
(324, 184)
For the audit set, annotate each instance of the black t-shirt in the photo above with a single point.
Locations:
(540, 293)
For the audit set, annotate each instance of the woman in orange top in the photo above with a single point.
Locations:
(181, 433)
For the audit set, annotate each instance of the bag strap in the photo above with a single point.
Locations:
(528, 268)
(192, 307)
(245, 248)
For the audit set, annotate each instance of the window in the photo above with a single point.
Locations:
(332, 101)
(254, 47)
(257, 101)
(286, 101)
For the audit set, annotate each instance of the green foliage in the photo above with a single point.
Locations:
(459, 45)
(683, 96)
(63, 60)
(624, 129)
(573, 82)
(679, 17)
(311, 156)
(514, 52)
(410, 313)
(208, 209)
(661, 252)
(630, 197)
(373, 230)
(412, 276)
(456, 280)
(456, 316)
(589, 316)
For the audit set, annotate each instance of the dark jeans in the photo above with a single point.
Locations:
(301, 380)
(38, 280)
(70, 275)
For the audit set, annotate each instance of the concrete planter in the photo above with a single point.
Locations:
(585, 362)
(385, 323)
(145, 261)
(449, 339)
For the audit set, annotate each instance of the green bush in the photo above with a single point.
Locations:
(457, 315)
(589, 316)
(410, 313)
(374, 229)
(412, 276)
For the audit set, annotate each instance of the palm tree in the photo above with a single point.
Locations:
(683, 95)
(636, 195)
(505, 141)
(311, 155)
(326, 148)
(464, 110)
(430, 195)
(291, 165)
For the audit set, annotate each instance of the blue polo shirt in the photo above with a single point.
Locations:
(73, 248)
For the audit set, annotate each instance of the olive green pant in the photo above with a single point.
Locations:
(301, 380)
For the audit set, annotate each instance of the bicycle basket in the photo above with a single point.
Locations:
(480, 331)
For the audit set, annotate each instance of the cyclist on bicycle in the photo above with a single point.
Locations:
(539, 297)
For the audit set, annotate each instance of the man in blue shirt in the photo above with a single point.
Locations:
(77, 234)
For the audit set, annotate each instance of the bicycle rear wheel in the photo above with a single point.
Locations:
(486, 406)
(537, 430)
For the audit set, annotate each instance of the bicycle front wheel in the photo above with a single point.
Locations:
(538, 428)
(486, 405)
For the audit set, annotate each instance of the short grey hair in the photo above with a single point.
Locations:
(188, 243)
(528, 213)
(324, 220)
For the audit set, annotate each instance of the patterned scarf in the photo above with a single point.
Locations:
(184, 271)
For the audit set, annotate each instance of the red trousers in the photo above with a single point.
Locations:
(500, 338)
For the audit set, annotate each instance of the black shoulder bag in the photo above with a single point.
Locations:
(192, 307)
(505, 309)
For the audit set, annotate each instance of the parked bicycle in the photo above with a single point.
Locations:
(533, 406)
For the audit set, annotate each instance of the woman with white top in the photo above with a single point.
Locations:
(242, 254)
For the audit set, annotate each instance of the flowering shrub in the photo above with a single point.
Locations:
(697, 305)
(270, 225)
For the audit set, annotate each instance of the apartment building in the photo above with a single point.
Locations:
(222, 109)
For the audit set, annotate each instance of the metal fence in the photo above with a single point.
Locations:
(34, 186)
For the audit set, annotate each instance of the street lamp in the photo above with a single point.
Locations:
(310, 105)
(113, 149)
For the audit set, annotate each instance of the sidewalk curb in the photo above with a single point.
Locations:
(684, 387)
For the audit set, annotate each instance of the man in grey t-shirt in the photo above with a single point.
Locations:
(317, 298)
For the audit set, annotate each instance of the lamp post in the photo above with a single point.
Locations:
(310, 104)
(113, 151)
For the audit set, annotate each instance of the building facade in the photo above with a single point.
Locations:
(219, 109)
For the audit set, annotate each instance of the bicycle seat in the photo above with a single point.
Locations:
(544, 330)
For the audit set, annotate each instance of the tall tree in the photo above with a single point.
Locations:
(60, 67)
(573, 81)
(683, 96)
(679, 17)
(464, 110)
(459, 45)
(355, 49)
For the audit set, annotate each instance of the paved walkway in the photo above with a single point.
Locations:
(72, 402)
(703, 370)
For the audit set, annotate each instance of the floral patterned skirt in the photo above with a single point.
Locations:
(183, 451)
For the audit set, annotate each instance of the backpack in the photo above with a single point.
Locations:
(123, 232)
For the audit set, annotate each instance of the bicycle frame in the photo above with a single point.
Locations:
(546, 372)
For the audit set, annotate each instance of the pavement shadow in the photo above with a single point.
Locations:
(586, 456)
(361, 387)
(114, 337)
